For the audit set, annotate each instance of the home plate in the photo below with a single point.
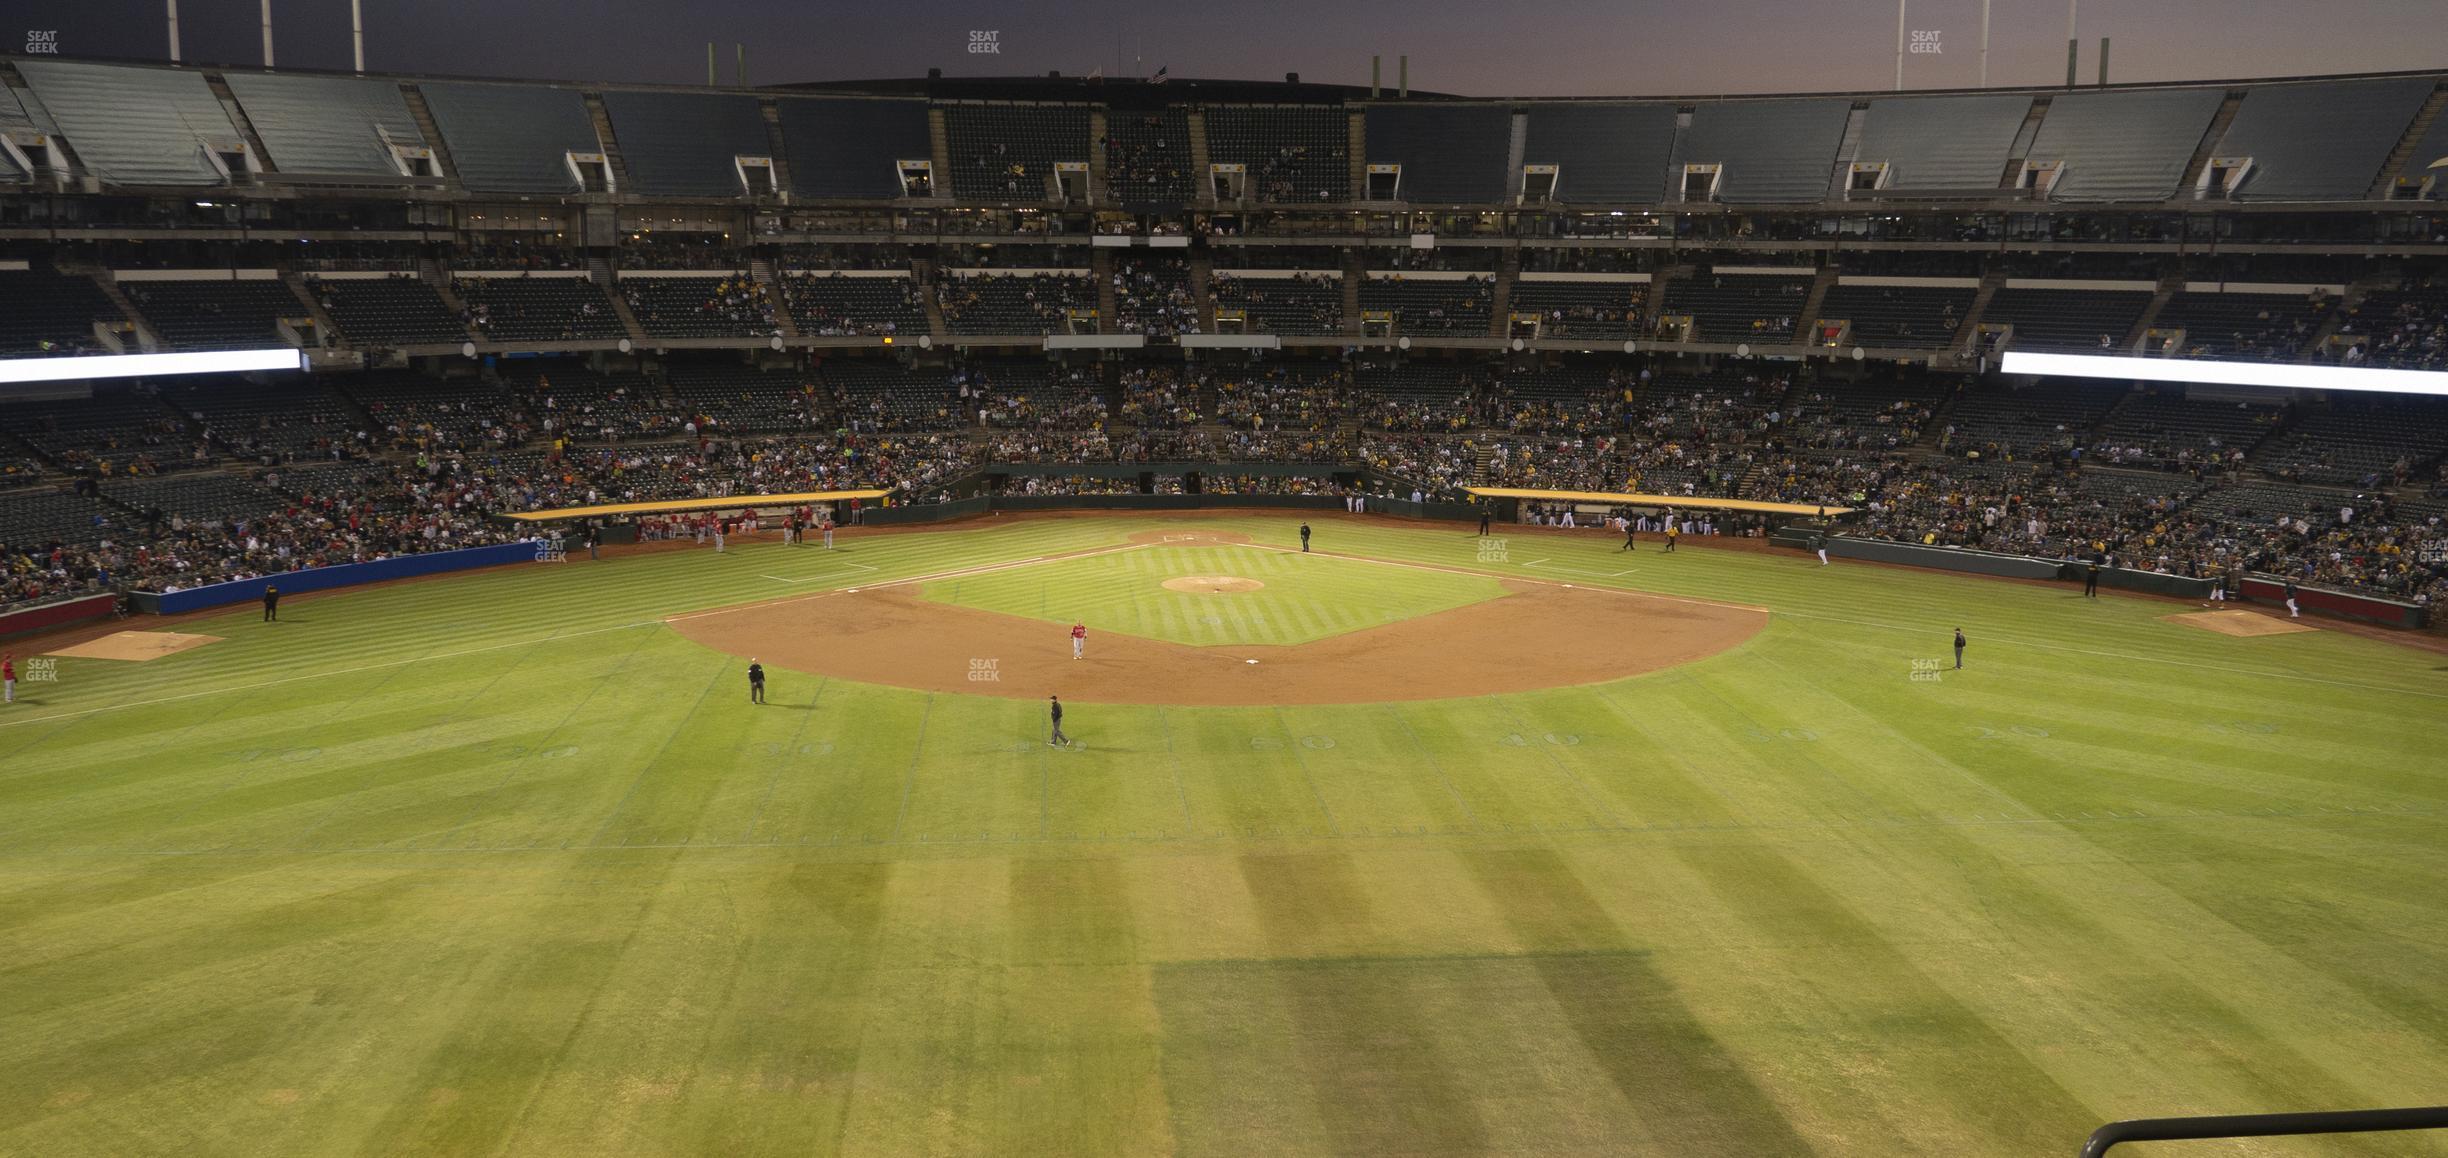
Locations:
(137, 645)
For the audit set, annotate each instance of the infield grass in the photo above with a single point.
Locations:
(501, 865)
(1303, 597)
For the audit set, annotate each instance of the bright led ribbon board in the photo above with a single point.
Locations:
(2282, 375)
(148, 365)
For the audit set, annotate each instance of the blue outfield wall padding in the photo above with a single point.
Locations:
(349, 575)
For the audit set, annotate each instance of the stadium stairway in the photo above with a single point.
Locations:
(1500, 307)
(940, 150)
(1202, 188)
(1355, 271)
(433, 140)
(1991, 282)
(246, 128)
(774, 149)
(761, 271)
(146, 336)
(1358, 144)
(2169, 286)
(612, 159)
(327, 331)
(2201, 157)
(1808, 320)
(2349, 297)
(923, 269)
(429, 271)
(1202, 298)
(1100, 267)
(599, 271)
(1096, 156)
(2414, 135)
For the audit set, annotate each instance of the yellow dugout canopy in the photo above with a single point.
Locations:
(1687, 502)
(677, 506)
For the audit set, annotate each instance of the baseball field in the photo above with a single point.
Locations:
(1419, 843)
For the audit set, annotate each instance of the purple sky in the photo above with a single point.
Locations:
(1485, 48)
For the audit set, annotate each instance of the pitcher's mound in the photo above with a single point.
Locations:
(1212, 584)
(137, 645)
(2239, 622)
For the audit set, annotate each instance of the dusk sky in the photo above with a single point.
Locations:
(1511, 48)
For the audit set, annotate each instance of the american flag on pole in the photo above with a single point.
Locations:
(1159, 78)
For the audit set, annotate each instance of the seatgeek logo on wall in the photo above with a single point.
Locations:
(42, 43)
(985, 41)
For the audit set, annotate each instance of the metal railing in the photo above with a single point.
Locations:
(2263, 1126)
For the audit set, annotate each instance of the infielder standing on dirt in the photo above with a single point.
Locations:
(1079, 638)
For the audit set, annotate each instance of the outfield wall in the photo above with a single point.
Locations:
(988, 504)
(2368, 608)
(45, 616)
(345, 575)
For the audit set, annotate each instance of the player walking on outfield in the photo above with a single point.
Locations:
(1304, 538)
(1079, 638)
(1055, 705)
(271, 603)
(8, 678)
(756, 681)
(1818, 542)
(2293, 612)
(828, 529)
(718, 536)
(1959, 642)
(1671, 531)
(1630, 529)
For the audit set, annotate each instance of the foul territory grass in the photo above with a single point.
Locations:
(1301, 597)
(501, 865)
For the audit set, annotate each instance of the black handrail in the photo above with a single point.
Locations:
(2264, 1125)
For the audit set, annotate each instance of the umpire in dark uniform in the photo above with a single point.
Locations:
(756, 681)
(2091, 570)
(1483, 520)
(1304, 538)
(1054, 706)
(1959, 644)
(271, 603)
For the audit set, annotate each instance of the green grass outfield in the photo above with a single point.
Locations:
(501, 865)
(1305, 598)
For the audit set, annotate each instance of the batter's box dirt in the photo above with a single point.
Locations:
(2245, 623)
(1535, 636)
(137, 646)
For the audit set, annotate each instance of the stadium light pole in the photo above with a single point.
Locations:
(174, 44)
(1984, 63)
(267, 32)
(357, 32)
(1900, 44)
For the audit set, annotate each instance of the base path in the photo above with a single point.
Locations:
(1535, 636)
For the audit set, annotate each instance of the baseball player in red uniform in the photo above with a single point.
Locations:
(1079, 638)
(8, 678)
